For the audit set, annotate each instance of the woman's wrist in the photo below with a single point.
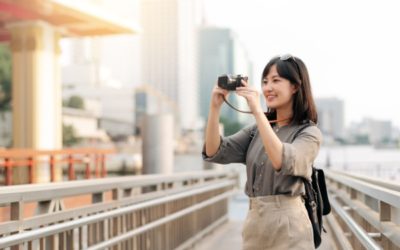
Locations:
(259, 113)
(215, 109)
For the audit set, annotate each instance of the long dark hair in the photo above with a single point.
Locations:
(294, 70)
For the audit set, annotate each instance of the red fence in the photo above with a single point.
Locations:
(92, 159)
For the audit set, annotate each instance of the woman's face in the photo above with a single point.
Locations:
(277, 91)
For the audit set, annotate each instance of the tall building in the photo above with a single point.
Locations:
(169, 62)
(117, 113)
(331, 116)
(371, 131)
(105, 69)
(220, 52)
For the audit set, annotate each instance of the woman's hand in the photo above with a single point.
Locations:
(252, 96)
(217, 95)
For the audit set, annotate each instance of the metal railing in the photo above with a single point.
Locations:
(92, 161)
(366, 211)
(139, 212)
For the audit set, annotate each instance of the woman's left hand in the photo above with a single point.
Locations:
(252, 96)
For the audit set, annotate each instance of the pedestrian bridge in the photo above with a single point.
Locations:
(180, 211)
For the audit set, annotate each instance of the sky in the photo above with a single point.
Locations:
(351, 48)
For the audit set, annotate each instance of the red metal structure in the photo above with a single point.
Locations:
(92, 159)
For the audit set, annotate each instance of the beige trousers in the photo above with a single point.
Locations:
(277, 222)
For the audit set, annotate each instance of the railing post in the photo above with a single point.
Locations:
(52, 169)
(103, 165)
(8, 172)
(87, 166)
(384, 211)
(116, 221)
(96, 164)
(31, 170)
(16, 214)
(71, 170)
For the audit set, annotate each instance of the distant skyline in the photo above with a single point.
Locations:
(351, 48)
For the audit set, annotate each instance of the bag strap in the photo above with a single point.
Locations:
(309, 123)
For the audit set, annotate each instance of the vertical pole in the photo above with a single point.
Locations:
(87, 164)
(8, 172)
(71, 170)
(31, 170)
(36, 97)
(103, 165)
(16, 214)
(52, 169)
(96, 164)
(158, 144)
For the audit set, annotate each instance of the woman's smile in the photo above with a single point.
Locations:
(270, 97)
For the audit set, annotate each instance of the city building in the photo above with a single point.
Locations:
(221, 52)
(371, 131)
(117, 112)
(169, 55)
(85, 125)
(331, 117)
(85, 74)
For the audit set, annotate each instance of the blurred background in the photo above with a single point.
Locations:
(91, 89)
(107, 65)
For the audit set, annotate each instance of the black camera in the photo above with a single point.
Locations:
(231, 82)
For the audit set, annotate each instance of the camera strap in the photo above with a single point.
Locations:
(249, 112)
(230, 105)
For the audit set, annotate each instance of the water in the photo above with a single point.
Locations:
(364, 160)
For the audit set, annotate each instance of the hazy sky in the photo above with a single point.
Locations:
(351, 48)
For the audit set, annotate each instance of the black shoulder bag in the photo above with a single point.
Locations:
(316, 200)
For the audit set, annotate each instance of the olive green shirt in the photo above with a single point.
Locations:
(298, 155)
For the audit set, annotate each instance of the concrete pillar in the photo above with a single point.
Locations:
(36, 97)
(158, 144)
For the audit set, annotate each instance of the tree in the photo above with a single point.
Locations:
(5, 78)
(362, 139)
(230, 127)
(75, 102)
(69, 136)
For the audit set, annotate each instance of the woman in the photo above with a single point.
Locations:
(278, 151)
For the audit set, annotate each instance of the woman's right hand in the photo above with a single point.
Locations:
(217, 95)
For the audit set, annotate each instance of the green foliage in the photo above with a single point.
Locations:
(69, 136)
(362, 139)
(230, 127)
(5, 78)
(75, 102)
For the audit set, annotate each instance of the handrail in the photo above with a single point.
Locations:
(381, 193)
(48, 191)
(164, 220)
(387, 228)
(373, 203)
(363, 237)
(62, 227)
(379, 182)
